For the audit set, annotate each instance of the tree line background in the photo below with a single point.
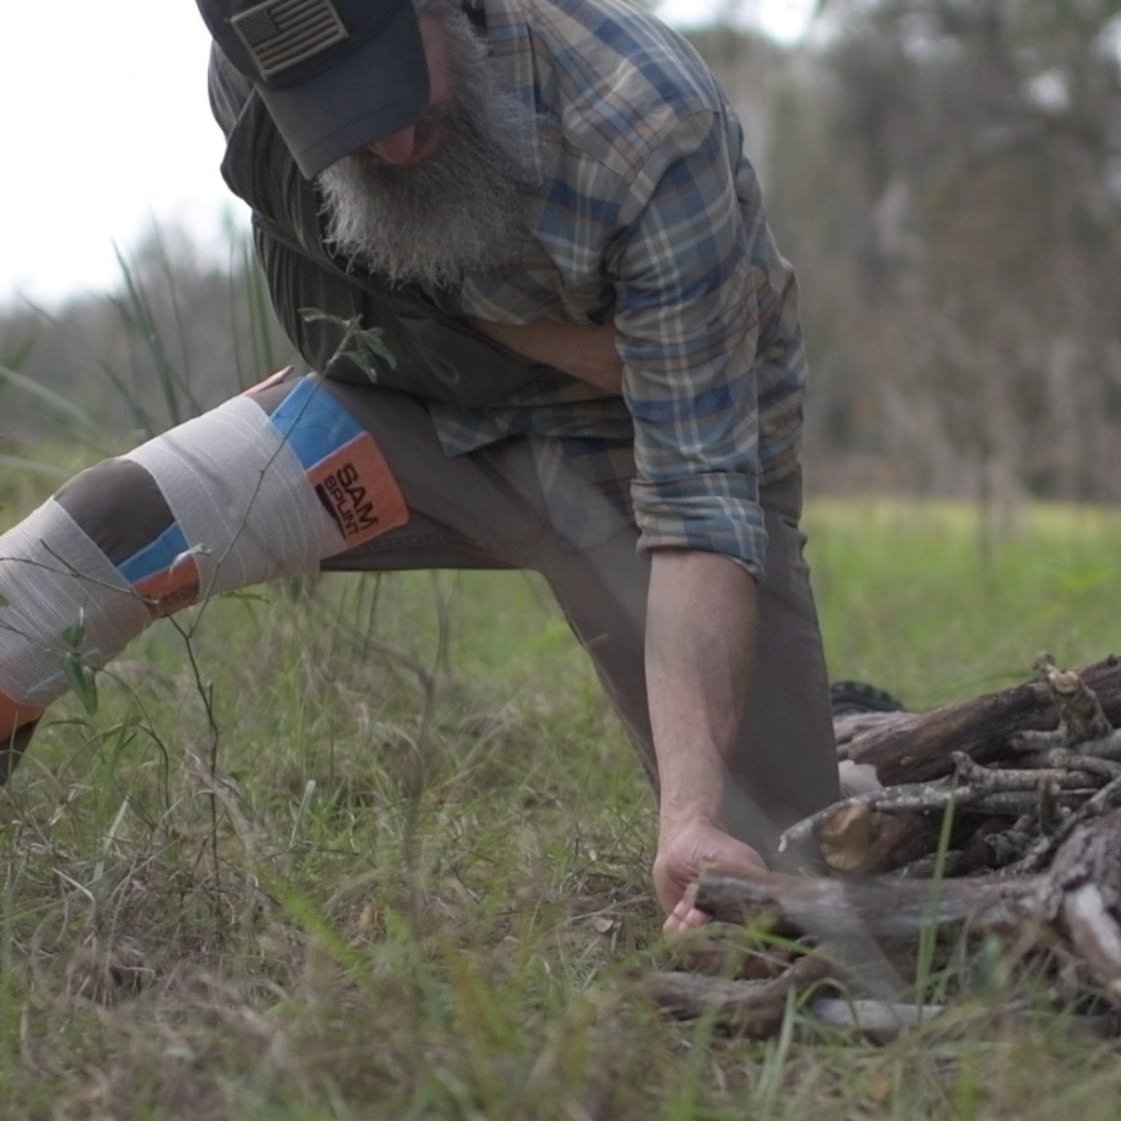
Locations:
(946, 177)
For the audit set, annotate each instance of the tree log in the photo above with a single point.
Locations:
(858, 840)
(1078, 898)
(916, 747)
(1033, 775)
(882, 908)
(753, 1009)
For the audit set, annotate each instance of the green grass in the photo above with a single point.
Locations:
(913, 597)
(381, 851)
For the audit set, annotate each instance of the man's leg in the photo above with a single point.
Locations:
(487, 510)
(259, 488)
(489, 506)
(293, 477)
(302, 475)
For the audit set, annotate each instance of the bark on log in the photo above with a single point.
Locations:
(1046, 812)
(916, 747)
(1078, 898)
(883, 908)
(858, 840)
(753, 1009)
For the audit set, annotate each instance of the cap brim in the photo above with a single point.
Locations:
(381, 88)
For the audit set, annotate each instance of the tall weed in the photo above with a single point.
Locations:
(382, 852)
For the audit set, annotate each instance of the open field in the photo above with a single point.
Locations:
(370, 850)
(929, 600)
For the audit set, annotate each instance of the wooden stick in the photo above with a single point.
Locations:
(882, 1019)
(859, 840)
(919, 748)
(985, 799)
(996, 779)
(1080, 711)
(878, 907)
(749, 1008)
(1039, 855)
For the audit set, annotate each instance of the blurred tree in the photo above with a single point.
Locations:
(177, 335)
(949, 180)
(946, 176)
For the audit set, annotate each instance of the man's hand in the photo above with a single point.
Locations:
(684, 852)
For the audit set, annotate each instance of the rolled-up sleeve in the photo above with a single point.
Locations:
(687, 312)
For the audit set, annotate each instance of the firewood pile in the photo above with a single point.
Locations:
(993, 821)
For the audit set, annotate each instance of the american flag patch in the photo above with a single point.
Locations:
(280, 34)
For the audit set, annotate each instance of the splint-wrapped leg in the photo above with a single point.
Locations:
(256, 489)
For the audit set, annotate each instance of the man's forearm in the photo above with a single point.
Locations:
(700, 635)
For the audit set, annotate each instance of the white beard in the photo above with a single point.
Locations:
(463, 208)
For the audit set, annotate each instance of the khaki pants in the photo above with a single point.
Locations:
(485, 510)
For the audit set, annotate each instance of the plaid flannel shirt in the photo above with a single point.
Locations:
(651, 214)
(650, 217)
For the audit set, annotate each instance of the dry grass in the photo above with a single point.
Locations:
(282, 879)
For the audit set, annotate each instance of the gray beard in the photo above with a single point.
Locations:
(464, 208)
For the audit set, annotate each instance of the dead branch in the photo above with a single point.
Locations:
(1081, 719)
(879, 1019)
(884, 1020)
(926, 797)
(1079, 761)
(882, 908)
(1006, 779)
(854, 726)
(1046, 846)
(859, 840)
(750, 1008)
(908, 797)
(1105, 747)
(1079, 897)
(1035, 796)
(919, 748)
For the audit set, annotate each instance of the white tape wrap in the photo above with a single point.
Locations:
(240, 496)
(243, 502)
(53, 576)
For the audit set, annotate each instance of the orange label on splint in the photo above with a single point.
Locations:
(359, 491)
(13, 716)
(171, 590)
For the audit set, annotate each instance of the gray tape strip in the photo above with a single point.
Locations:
(240, 496)
(52, 575)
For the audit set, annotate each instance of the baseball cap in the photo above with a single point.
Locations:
(333, 74)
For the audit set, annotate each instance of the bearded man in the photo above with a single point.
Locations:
(520, 245)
